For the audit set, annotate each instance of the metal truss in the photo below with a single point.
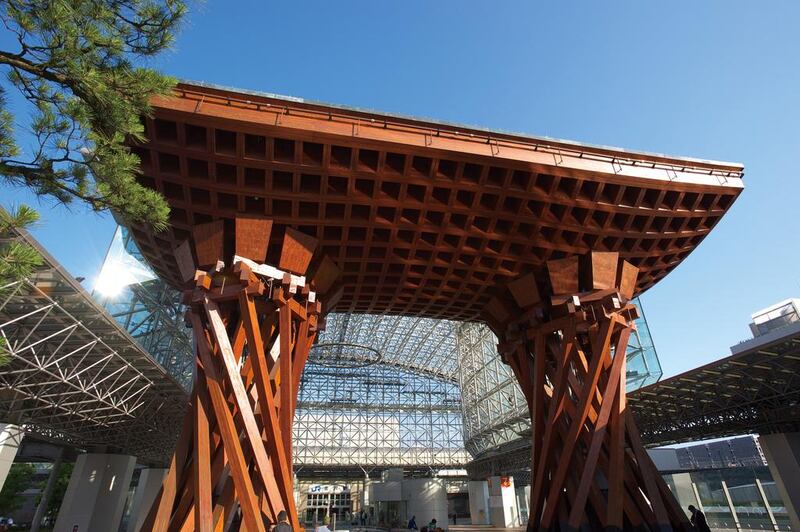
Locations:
(149, 310)
(421, 345)
(756, 390)
(495, 411)
(75, 375)
(377, 416)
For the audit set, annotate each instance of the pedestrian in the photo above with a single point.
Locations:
(321, 527)
(698, 520)
(412, 524)
(432, 525)
(283, 523)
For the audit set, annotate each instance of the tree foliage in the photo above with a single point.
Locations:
(19, 478)
(17, 259)
(60, 489)
(75, 62)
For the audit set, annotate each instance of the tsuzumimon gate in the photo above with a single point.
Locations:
(283, 210)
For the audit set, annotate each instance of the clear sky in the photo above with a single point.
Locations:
(716, 80)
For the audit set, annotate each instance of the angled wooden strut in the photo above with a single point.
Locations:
(253, 326)
(564, 331)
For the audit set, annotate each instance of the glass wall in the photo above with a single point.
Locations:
(744, 494)
(377, 415)
(146, 307)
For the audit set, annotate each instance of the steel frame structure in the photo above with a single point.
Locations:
(421, 345)
(756, 390)
(151, 311)
(75, 375)
(494, 410)
(377, 416)
(402, 412)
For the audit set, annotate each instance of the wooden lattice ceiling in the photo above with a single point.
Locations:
(424, 218)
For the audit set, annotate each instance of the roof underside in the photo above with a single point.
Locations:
(423, 218)
(74, 375)
(420, 345)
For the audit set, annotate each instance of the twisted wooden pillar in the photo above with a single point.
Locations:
(253, 326)
(564, 331)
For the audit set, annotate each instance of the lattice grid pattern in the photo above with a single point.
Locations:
(377, 416)
(75, 375)
(416, 344)
(152, 312)
(424, 218)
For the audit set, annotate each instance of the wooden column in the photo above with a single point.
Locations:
(564, 331)
(253, 325)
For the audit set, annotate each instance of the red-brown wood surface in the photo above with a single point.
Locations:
(423, 218)
(241, 414)
(388, 214)
(567, 350)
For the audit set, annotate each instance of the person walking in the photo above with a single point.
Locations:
(321, 527)
(698, 519)
(283, 523)
(412, 524)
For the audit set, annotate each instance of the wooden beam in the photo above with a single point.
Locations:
(209, 242)
(252, 236)
(231, 372)
(229, 433)
(297, 250)
(268, 410)
(202, 462)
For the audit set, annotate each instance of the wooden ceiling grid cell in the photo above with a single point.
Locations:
(419, 228)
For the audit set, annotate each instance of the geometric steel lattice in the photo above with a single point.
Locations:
(419, 345)
(755, 390)
(377, 416)
(567, 349)
(343, 355)
(494, 409)
(75, 375)
(145, 306)
(401, 412)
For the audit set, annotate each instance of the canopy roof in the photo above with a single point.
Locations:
(424, 218)
(420, 345)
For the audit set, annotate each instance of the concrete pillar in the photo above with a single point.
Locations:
(782, 452)
(479, 502)
(10, 440)
(426, 498)
(48, 491)
(96, 494)
(503, 502)
(150, 480)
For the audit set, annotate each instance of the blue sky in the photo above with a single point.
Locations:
(717, 80)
